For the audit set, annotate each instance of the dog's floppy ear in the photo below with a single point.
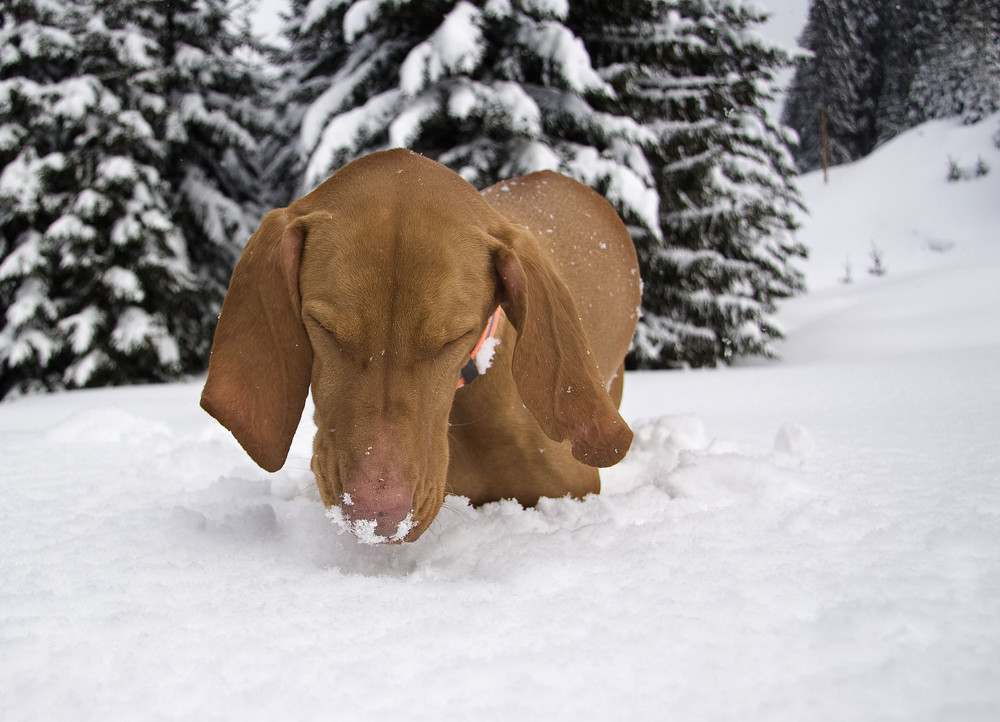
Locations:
(554, 368)
(259, 371)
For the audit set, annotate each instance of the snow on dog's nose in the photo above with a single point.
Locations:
(385, 516)
(377, 501)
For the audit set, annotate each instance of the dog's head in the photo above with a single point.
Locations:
(373, 289)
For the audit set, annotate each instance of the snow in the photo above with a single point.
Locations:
(523, 114)
(123, 284)
(38, 40)
(315, 11)
(193, 111)
(19, 181)
(456, 47)
(10, 137)
(624, 185)
(117, 168)
(29, 301)
(359, 17)
(550, 8)
(24, 259)
(19, 341)
(484, 359)
(364, 529)
(917, 219)
(89, 204)
(81, 328)
(815, 538)
(81, 371)
(405, 128)
(75, 97)
(332, 100)
(70, 228)
(568, 62)
(137, 328)
(342, 132)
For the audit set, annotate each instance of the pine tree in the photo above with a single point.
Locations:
(833, 96)
(493, 90)
(96, 277)
(879, 68)
(123, 189)
(958, 71)
(37, 55)
(697, 76)
(203, 93)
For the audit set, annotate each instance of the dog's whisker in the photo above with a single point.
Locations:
(467, 423)
(437, 537)
(304, 491)
(460, 514)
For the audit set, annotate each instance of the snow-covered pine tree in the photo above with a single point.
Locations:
(126, 169)
(492, 89)
(958, 71)
(879, 67)
(94, 276)
(204, 91)
(839, 84)
(312, 63)
(37, 53)
(697, 75)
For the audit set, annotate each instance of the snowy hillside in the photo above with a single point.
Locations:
(815, 539)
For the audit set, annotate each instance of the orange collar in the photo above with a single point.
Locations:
(482, 354)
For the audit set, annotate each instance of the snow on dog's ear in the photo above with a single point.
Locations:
(259, 371)
(553, 366)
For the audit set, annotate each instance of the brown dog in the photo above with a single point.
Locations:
(376, 287)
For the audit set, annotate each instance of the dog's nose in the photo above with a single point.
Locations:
(378, 508)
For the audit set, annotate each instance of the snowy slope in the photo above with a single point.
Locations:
(815, 539)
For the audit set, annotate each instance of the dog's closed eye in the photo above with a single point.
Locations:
(334, 333)
(462, 342)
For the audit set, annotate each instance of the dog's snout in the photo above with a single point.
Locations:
(388, 508)
(381, 503)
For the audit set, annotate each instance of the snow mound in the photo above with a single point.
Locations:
(676, 455)
(108, 425)
(794, 440)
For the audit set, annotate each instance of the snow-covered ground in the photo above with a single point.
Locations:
(812, 539)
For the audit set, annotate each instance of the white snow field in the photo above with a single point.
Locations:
(811, 539)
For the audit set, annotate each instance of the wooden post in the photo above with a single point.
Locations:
(824, 137)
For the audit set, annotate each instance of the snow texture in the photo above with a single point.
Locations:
(566, 54)
(456, 47)
(341, 133)
(317, 10)
(484, 359)
(359, 17)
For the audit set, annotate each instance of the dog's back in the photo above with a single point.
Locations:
(591, 249)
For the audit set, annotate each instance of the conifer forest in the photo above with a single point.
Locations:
(141, 141)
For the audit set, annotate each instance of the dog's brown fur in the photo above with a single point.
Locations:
(375, 287)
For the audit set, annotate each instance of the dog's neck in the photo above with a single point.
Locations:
(482, 355)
